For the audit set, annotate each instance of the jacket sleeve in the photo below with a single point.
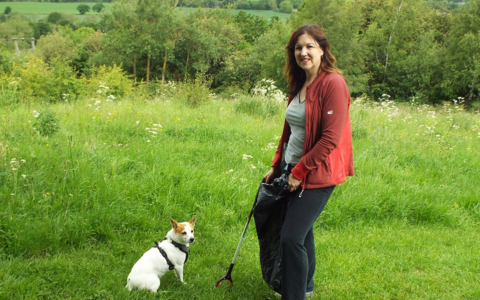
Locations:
(336, 99)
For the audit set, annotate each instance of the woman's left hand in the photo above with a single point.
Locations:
(293, 183)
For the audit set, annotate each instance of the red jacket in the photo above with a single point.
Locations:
(327, 153)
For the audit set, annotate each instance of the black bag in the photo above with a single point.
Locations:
(269, 214)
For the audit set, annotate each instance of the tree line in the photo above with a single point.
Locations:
(423, 51)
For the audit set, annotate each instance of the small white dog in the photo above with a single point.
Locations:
(170, 254)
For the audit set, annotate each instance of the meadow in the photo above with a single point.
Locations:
(81, 203)
(45, 8)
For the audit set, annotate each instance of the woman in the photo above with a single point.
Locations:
(317, 142)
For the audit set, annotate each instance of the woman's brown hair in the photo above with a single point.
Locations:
(295, 74)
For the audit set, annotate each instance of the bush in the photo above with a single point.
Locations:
(44, 82)
(108, 81)
(46, 123)
(197, 92)
(5, 60)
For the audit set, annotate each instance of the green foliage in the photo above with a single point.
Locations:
(66, 23)
(56, 46)
(35, 79)
(267, 100)
(7, 10)
(198, 92)
(5, 60)
(83, 9)
(41, 28)
(463, 54)
(270, 53)
(107, 80)
(46, 123)
(16, 26)
(251, 26)
(98, 7)
(286, 7)
(405, 48)
(54, 17)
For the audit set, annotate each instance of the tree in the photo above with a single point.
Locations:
(54, 17)
(462, 72)
(269, 4)
(251, 26)
(208, 40)
(16, 26)
(7, 10)
(83, 9)
(98, 7)
(286, 7)
(340, 19)
(122, 43)
(40, 28)
(56, 46)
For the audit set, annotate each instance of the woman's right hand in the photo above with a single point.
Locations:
(271, 175)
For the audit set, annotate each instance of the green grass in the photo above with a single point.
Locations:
(79, 207)
(45, 8)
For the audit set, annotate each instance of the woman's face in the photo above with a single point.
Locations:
(308, 54)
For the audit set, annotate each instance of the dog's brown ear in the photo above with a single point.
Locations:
(192, 221)
(174, 223)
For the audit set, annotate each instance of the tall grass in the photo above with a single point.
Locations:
(78, 207)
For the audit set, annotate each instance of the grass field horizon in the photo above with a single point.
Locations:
(45, 8)
(79, 207)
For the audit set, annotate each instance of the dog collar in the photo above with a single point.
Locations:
(181, 247)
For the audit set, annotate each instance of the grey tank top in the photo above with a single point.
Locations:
(295, 116)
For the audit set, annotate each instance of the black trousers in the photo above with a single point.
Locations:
(297, 242)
